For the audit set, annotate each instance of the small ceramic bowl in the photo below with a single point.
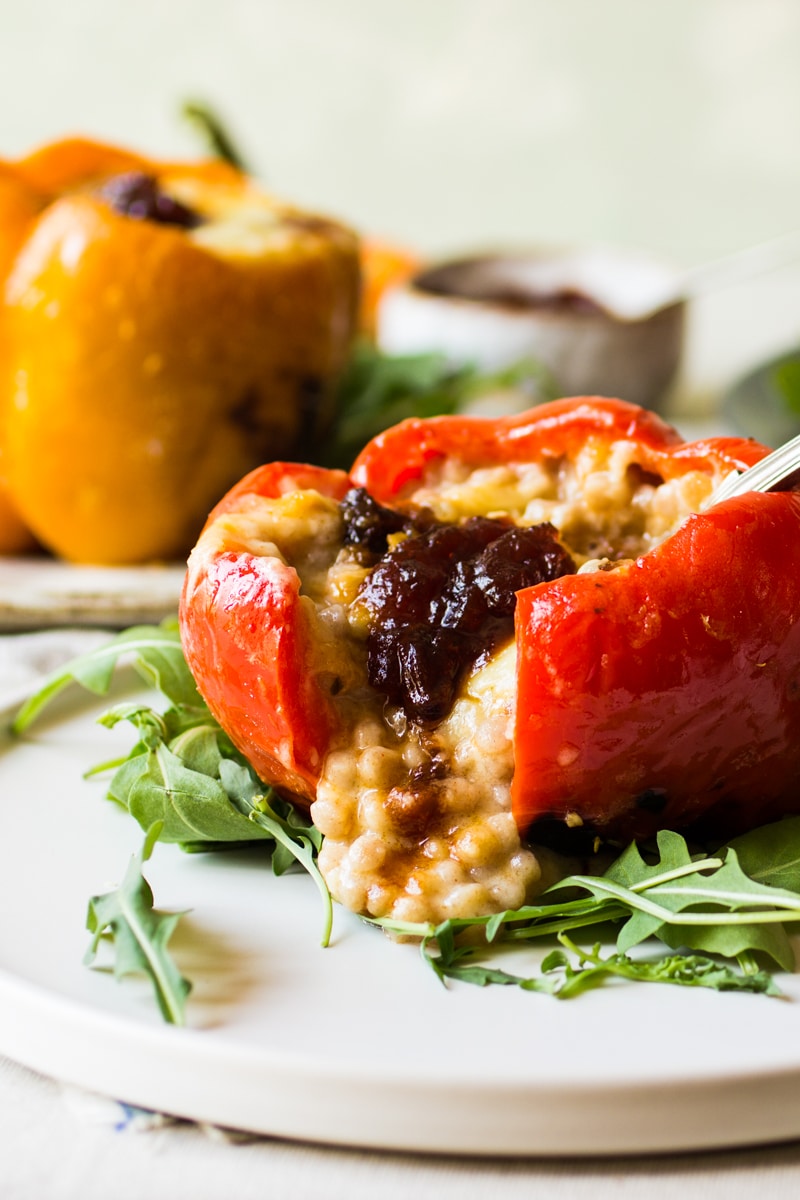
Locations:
(601, 321)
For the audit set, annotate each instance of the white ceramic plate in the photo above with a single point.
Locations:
(39, 592)
(357, 1044)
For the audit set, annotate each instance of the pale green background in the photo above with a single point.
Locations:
(453, 124)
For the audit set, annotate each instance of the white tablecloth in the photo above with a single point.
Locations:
(56, 1147)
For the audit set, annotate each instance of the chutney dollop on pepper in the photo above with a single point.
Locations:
(494, 626)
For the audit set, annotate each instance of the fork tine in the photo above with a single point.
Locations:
(779, 471)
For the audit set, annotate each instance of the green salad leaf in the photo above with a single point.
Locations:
(153, 650)
(704, 902)
(722, 913)
(176, 781)
(139, 934)
(564, 977)
(786, 377)
(771, 853)
(295, 837)
(185, 775)
(183, 781)
(378, 390)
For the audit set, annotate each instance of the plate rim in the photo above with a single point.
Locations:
(274, 1102)
(330, 1100)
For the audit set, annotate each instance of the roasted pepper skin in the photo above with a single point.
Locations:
(20, 204)
(667, 694)
(649, 696)
(398, 459)
(145, 369)
(246, 638)
(27, 188)
(661, 695)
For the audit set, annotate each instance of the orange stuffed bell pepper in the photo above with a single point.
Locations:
(165, 327)
(497, 627)
(20, 203)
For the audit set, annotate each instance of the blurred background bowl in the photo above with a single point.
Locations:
(599, 320)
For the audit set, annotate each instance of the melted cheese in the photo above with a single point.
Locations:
(418, 825)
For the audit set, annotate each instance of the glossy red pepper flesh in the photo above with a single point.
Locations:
(647, 696)
(246, 638)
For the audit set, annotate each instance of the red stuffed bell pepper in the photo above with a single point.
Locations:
(495, 627)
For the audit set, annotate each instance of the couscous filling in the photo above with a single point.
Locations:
(413, 614)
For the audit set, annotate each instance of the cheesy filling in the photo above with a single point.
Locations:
(244, 222)
(417, 823)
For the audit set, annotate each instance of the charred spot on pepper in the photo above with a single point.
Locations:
(139, 195)
(571, 840)
(309, 223)
(245, 412)
(252, 413)
(312, 412)
(652, 800)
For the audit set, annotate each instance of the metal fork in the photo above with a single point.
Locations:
(778, 472)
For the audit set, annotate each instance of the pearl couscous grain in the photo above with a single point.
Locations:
(417, 822)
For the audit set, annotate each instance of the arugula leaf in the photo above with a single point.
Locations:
(183, 775)
(295, 840)
(176, 781)
(185, 782)
(786, 377)
(155, 653)
(191, 806)
(706, 903)
(683, 970)
(771, 853)
(724, 896)
(727, 885)
(139, 934)
(561, 977)
(205, 796)
(378, 390)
